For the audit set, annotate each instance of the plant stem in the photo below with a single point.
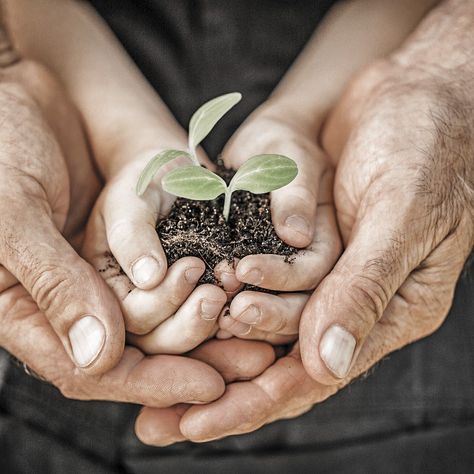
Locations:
(227, 200)
(194, 158)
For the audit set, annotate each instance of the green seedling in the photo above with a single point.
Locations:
(259, 174)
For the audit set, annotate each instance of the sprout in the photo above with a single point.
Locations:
(259, 174)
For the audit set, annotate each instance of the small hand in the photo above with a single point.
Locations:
(303, 216)
(163, 311)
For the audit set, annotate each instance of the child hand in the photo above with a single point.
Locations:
(163, 311)
(303, 216)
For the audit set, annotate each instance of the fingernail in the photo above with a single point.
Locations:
(192, 275)
(229, 281)
(144, 269)
(253, 276)
(337, 349)
(87, 337)
(210, 309)
(251, 315)
(241, 329)
(299, 224)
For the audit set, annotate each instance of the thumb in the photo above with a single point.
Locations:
(353, 297)
(77, 302)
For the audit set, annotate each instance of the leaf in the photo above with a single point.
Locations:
(194, 182)
(154, 165)
(206, 117)
(264, 173)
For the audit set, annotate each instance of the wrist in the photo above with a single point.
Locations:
(285, 109)
(131, 146)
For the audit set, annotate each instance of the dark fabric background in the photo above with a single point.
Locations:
(415, 411)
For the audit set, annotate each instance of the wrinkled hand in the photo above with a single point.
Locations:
(404, 197)
(39, 122)
(34, 202)
(303, 216)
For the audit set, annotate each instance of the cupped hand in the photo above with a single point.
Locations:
(405, 206)
(164, 312)
(303, 216)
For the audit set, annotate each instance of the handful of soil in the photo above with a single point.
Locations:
(198, 228)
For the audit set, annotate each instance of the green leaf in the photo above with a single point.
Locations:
(206, 117)
(264, 173)
(154, 165)
(194, 182)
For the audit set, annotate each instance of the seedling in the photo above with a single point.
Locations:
(259, 174)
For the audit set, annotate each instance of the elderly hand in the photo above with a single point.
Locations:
(404, 195)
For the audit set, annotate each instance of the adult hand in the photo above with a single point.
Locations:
(404, 196)
(303, 216)
(34, 202)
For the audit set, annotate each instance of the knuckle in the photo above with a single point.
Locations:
(73, 387)
(117, 233)
(49, 286)
(368, 298)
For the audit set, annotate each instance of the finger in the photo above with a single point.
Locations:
(256, 315)
(150, 380)
(233, 359)
(143, 310)
(78, 304)
(353, 297)
(160, 426)
(225, 274)
(306, 269)
(146, 309)
(7, 280)
(294, 207)
(130, 226)
(246, 406)
(194, 322)
(247, 332)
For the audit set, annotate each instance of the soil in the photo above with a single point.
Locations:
(198, 228)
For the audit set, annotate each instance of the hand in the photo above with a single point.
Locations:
(404, 200)
(34, 201)
(38, 122)
(303, 216)
(164, 312)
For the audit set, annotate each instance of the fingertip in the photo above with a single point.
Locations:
(327, 351)
(158, 427)
(148, 271)
(295, 230)
(224, 272)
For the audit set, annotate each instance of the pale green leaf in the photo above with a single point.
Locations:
(206, 117)
(154, 165)
(194, 182)
(264, 173)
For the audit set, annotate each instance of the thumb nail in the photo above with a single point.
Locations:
(337, 350)
(87, 337)
(298, 224)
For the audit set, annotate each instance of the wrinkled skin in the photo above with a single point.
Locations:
(404, 194)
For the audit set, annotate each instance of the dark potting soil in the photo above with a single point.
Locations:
(198, 228)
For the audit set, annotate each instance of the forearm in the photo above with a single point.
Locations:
(443, 44)
(113, 97)
(353, 35)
